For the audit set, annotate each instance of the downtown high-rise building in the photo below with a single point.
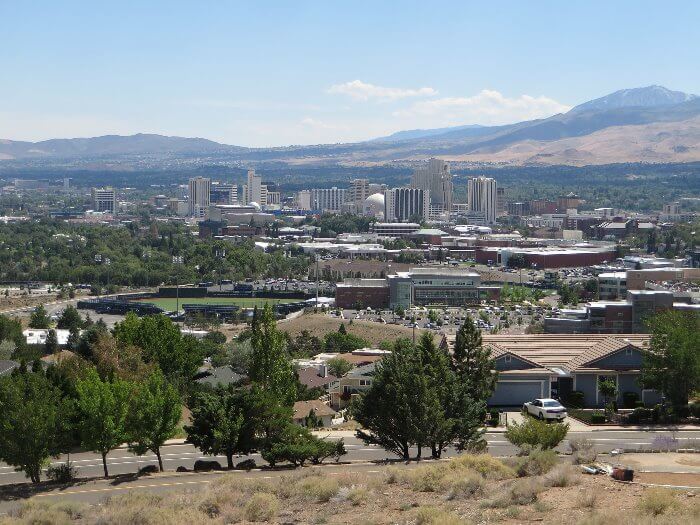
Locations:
(436, 179)
(328, 199)
(253, 190)
(199, 196)
(223, 193)
(482, 199)
(406, 204)
(104, 200)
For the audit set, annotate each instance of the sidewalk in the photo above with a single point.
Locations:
(577, 426)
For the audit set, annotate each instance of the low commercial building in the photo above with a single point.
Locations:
(362, 293)
(394, 229)
(548, 257)
(612, 285)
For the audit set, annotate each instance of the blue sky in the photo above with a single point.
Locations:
(300, 72)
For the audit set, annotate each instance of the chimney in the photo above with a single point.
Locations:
(322, 370)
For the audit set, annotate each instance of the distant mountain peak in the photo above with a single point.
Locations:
(646, 97)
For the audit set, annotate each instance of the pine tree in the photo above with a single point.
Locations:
(473, 363)
(39, 318)
(51, 344)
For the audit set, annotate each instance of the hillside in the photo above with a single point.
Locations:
(651, 124)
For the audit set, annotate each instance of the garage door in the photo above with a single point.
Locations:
(515, 393)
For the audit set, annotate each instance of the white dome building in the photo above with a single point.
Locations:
(374, 206)
(255, 205)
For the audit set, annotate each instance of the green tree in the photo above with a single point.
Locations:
(608, 389)
(217, 421)
(162, 343)
(51, 344)
(154, 414)
(472, 362)
(271, 368)
(672, 362)
(39, 318)
(339, 366)
(70, 319)
(34, 423)
(102, 411)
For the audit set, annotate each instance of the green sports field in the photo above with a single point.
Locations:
(168, 303)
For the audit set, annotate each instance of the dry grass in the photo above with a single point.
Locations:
(657, 501)
(469, 489)
(321, 324)
(261, 507)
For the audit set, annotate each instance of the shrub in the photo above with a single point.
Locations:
(521, 492)
(656, 501)
(536, 463)
(639, 414)
(393, 475)
(587, 500)
(694, 409)
(486, 465)
(575, 399)
(357, 495)
(261, 507)
(63, 473)
(597, 418)
(629, 399)
(536, 433)
(465, 485)
(583, 451)
(562, 475)
(426, 479)
(494, 414)
(319, 488)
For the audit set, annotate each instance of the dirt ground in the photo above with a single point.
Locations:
(690, 479)
(321, 324)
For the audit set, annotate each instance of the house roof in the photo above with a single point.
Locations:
(565, 351)
(7, 366)
(302, 409)
(309, 376)
(222, 375)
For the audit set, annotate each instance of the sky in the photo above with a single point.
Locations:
(264, 73)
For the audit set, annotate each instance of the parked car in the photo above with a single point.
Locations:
(545, 409)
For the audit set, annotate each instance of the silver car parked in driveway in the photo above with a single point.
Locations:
(545, 409)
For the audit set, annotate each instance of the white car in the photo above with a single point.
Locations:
(545, 409)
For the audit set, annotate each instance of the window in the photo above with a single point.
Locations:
(628, 351)
(507, 358)
(346, 389)
(365, 382)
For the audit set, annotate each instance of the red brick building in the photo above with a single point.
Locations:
(362, 292)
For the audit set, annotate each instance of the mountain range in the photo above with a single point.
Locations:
(649, 124)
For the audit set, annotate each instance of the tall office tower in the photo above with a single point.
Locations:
(500, 201)
(406, 204)
(223, 193)
(252, 191)
(328, 199)
(273, 198)
(304, 200)
(481, 198)
(359, 191)
(104, 199)
(199, 196)
(436, 179)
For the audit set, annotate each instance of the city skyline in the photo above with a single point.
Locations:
(200, 72)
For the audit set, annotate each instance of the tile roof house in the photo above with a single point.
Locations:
(323, 412)
(553, 365)
(351, 385)
(316, 376)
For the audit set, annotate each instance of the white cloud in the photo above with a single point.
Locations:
(314, 123)
(359, 90)
(486, 107)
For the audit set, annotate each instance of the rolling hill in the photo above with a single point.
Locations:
(650, 124)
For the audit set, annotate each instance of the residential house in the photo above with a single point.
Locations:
(316, 377)
(37, 336)
(220, 376)
(351, 385)
(323, 413)
(549, 365)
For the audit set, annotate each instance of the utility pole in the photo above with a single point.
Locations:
(317, 258)
(177, 260)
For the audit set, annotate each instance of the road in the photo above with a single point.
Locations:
(361, 456)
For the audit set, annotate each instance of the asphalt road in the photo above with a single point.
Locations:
(361, 457)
